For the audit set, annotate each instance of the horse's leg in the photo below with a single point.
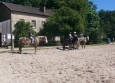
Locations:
(77, 44)
(69, 46)
(73, 46)
(19, 45)
(63, 47)
(20, 48)
(35, 49)
(82, 46)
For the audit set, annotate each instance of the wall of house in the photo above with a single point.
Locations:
(4, 13)
(17, 16)
(4, 33)
(5, 16)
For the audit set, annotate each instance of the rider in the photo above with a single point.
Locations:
(81, 35)
(30, 36)
(70, 37)
(74, 34)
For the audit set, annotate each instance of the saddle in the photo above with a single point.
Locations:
(28, 40)
(82, 39)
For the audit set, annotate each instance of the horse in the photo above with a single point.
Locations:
(66, 41)
(83, 41)
(27, 41)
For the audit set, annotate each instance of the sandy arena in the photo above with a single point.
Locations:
(95, 64)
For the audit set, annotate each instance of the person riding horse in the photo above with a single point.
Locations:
(74, 34)
(81, 35)
(70, 38)
(31, 36)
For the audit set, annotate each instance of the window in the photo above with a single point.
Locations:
(33, 24)
(4, 36)
(43, 23)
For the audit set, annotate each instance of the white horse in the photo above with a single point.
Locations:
(82, 41)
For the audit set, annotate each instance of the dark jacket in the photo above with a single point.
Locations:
(29, 34)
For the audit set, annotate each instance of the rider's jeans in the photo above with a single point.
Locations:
(32, 39)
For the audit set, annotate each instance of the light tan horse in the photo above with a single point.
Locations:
(26, 41)
(83, 41)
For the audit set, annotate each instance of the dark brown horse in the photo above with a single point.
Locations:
(83, 41)
(26, 41)
(66, 41)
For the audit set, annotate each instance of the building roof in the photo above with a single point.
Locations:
(26, 9)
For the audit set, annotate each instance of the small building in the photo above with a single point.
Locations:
(10, 14)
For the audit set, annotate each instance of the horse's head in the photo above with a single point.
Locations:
(45, 39)
(87, 38)
(76, 37)
(42, 39)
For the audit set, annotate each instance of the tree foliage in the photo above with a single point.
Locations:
(107, 23)
(63, 21)
(22, 2)
(93, 19)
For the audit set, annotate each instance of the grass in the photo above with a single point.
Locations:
(2, 51)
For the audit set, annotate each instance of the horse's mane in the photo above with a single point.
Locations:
(75, 39)
(22, 37)
(41, 36)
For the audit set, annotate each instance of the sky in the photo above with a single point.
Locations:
(104, 4)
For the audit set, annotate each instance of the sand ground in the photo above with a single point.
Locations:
(95, 64)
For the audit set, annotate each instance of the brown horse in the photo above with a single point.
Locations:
(66, 41)
(83, 41)
(26, 41)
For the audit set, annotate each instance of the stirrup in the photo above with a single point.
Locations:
(32, 43)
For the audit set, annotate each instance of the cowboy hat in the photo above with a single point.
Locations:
(74, 32)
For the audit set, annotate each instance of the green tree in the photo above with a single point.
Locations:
(32, 3)
(62, 22)
(81, 6)
(35, 3)
(5, 0)
(93, 20)
(92, 6)
(22, 2)
(107, 23)
(21, 30)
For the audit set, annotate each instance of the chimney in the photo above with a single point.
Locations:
(43, 9)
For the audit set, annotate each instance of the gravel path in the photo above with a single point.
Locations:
(95, 64)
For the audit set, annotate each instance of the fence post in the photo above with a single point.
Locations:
(12, 39)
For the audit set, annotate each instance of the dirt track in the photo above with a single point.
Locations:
(95, 64)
